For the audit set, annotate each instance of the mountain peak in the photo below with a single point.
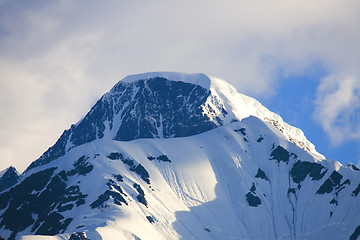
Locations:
(167, 105)
(237, 106)
(8, 178)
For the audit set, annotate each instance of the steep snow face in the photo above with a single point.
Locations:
(243, 180)
(242, 106)
(166, 105)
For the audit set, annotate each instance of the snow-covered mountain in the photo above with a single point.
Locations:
(182, 156)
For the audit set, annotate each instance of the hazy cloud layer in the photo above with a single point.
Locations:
(58, 57)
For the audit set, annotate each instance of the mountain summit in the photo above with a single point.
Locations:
(166, 105)
(182, 156)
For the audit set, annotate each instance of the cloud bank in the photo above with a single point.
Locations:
(338, 107)
(58, 57)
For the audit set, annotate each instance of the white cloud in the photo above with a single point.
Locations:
(58, 57)
(337, 107)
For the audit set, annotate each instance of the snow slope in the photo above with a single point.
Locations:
(209, 190)
(245, 175)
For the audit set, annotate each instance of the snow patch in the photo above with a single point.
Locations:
(194, 78)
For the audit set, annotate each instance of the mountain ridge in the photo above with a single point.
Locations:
(217, 93)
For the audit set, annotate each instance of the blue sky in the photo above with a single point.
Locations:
(299, 58)
(294, 101)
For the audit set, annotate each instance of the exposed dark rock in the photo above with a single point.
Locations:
(253, 188)
(118, 177)
(161, 158)
(118, 199)
(20, 201)
(43, 196)
(12, 236)
(252, 199)
(333, 183)
(141, 171)
(9, 178)
(114, 191)
(176, 106)
(133, 165)
(78, 236)
(356, 191)
(92, 126)
(280, 154)
(150, 219)
(82, 167)
(334, 201)
(301, 170)
(54, 224)
(113, 184)
(115, 156)
(241, 130)
(141, 196)
(260, 174)
(129, 162)
(353, 167)
(292, 190)
(355, 234)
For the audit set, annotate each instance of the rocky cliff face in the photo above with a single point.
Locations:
(148, 108)
(8, 178)
(171, 156)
